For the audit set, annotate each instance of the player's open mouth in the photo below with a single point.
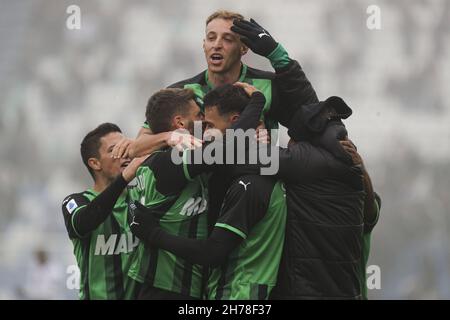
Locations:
(216, 58)
(125, 164)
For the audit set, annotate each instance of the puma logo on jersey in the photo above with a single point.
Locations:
(134, 222)
(244, 184)
(194, 206)
(262, 34)
(116, 244)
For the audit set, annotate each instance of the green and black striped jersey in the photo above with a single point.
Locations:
(103, 255)
(254, 208)
(262, 80)
(285, 90)
(183, 213)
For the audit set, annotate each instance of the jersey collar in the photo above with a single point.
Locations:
(241, 78)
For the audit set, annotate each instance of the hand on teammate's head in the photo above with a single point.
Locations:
(249, 89)
(262, 134)
(350, 148)
(122, 148)
(183, 140)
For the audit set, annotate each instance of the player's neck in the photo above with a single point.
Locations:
(101, 183)
(229, 77)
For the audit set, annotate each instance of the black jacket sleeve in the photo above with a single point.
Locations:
(249, 118)
(301, 155)
(299, 163)
(294, 90)
(80, 223)
(290, 164)
(209, 252)
(304, 163)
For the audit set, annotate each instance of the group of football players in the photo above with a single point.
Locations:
(154, 228)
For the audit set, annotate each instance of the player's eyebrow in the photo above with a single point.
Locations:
(224, 34)
(231, 34)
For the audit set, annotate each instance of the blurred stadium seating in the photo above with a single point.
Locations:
(56, 84)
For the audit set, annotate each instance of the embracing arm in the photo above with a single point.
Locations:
(148, 142)
(88, 219)
(211, 252)
(82, 217)
(249, 118)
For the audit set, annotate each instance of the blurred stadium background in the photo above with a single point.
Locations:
(56, 84)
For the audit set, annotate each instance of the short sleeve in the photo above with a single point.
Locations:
(245, 204)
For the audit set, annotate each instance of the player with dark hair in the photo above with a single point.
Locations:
(162, 106)
(246, 242)
(162, 274)
(96, 219)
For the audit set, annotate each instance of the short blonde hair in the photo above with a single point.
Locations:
(224, 14)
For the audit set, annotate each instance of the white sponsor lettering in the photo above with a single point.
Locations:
(194, 206)
(116, 244)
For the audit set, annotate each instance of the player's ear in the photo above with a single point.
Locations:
(234, 117)
(203, 45)
(94, 164)
(244, 49)
(178, 122)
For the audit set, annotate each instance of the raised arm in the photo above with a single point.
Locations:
(249, 118)
(82, 217)
(212, 251)
(293, 87)
(294, 90)
(147, 142)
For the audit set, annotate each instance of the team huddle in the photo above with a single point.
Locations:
(154, 228)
